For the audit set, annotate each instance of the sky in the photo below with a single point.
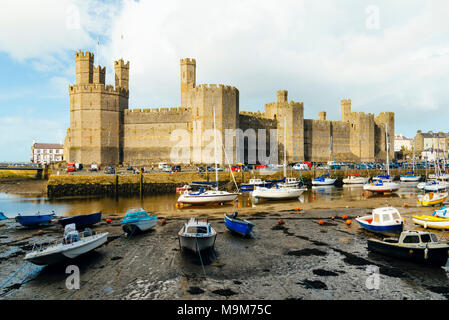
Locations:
(390, 55)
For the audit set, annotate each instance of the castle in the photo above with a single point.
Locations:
(103, 129)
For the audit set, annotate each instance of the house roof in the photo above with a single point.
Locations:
(48, 146)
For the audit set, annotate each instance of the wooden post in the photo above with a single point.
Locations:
(116, 186)
(141, 183)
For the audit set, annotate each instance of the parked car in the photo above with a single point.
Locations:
(166, 168)
(236, 168)
(176, 168)
(94, 167)
(200, 169)
(109, 170)
(130, 168)
(71, 167)
(212, 169)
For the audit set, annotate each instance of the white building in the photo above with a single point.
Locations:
(431, 154)
(46, 153)
(403, 143)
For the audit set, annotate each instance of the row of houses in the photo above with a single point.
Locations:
(426, 145)
(46, 153)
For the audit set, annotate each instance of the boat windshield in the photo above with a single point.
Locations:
(434, 237)
(425, 238)
(411, 239)
(197, 230)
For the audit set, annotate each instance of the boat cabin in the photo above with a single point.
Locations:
(418, 237)
(384, 216)
(197, 227)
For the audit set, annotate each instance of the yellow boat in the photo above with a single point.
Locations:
(432, 199)
(431, 222)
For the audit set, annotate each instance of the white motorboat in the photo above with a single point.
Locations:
(355, 179)
(432, 199)
(289, 183)
(386, 219)
(197, 236)
(72, 246)
(434, 186)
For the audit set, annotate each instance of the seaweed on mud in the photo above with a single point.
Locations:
(324, 273)
(352, 259)
(195, 290)
(284, 229)
(224, 292)
(314, 284)
(306, 252)
(237, 282)
(116, 258)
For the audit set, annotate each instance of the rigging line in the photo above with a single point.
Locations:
(201, 259)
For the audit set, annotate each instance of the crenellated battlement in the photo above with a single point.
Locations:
(82, 54)
(121, 63)
(257, 114)
(97, 88)
(174, 110)
(215, 88)
(188, 61)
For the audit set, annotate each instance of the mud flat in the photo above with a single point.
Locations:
(297, 260)
(24, 186)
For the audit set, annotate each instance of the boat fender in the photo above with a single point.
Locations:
(426, 253)
(425, 225)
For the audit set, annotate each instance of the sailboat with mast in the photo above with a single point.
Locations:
(325, 179)
(383, 186)
(289, 189)
(203, 196)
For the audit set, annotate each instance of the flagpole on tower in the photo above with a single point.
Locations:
(98, 46)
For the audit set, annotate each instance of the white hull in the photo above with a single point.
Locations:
(196, 244)
(410, 179)
(357, 180)
(207, 197)
(442, 177)
(143, 225)
(57, 253)
(277, 193)
(385, 187)
(326, 182)
(432, 224)
(436, 187)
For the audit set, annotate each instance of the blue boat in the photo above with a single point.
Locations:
(35, 220)
(2, 216)
(137, 220)
(382, 220)
(252, 183)
(234, 224)
(82, 221)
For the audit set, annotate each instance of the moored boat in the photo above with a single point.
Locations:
(197, 236)
(137, 220)
(355, 179)
(203, 197)
(2, 216)
(416, 246)
(382, 220)
(431, 222)
(323, 180)
(441, 213)
(237, 225)
(432, 199)
(183, 188)
(72, 246)
(34, 220)
(82, 221)
(381, 187)
(410, 177)
(277, 193)
(247, 187)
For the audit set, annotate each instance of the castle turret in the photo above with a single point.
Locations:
(99, 76)
(322, 115)
(121, 74)
(84, 67)
(345, 110)
(188, 80)
(282, 96)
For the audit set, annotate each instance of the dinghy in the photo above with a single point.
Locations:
(82, 221)
(137, 220)
(237, 225)
(247, 187)
(72, 246)
(416, 246)
(382, 220)
(197, 236)
(432, 199)
(441, 213)
(34, 220)
(355, 179)
(431, 222)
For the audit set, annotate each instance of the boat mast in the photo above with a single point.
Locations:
(285, 147)
(215, 153)
(386, 140)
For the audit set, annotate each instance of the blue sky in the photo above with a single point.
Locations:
(384, 55)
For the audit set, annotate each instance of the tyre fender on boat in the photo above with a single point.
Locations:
(426, 253)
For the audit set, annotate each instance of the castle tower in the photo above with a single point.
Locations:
(188, 80)
(96, 113)
(345, 110)
(84, 67)
(282, 96)
(121, 74)
(322, 115)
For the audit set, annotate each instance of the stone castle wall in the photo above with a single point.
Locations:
(104, 130)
